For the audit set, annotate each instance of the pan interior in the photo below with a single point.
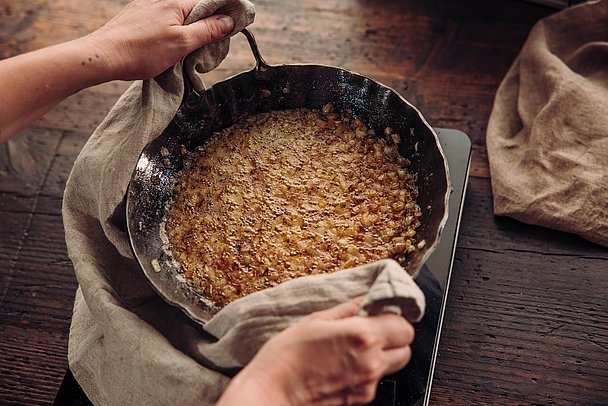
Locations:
(276, 88)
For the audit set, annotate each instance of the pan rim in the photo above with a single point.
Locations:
(203, 316)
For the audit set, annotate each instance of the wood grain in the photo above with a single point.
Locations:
(526, 319)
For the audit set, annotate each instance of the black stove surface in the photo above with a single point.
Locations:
(411, 385)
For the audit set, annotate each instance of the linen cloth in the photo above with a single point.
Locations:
(547, 136)
(128, 346)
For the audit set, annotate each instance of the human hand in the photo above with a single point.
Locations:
(147, 37)
(331, 357)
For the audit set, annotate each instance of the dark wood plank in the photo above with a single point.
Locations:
(537, 335)
(42, 285)
(32, 373)
(526, 321)
(37, 287)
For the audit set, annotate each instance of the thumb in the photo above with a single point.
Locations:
(341, 311)
(208, 30)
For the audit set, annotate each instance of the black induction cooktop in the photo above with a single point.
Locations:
(411, 385)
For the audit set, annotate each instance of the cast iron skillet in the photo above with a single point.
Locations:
(268, 88)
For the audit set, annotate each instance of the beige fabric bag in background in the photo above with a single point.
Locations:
(547, 137)
(127, 346)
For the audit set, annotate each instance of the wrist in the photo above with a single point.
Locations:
(254, 388)
(98, 57)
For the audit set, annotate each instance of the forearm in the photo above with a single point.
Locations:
(140, 42)
(246, 388)
(35, 82)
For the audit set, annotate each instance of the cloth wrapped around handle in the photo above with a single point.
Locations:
(209, 57)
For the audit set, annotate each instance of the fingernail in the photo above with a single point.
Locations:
(226, 24)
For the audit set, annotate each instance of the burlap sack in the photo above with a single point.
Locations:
(547, 137)
(127, 346)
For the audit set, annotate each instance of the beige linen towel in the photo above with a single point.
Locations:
(127, 346)
(547, 137)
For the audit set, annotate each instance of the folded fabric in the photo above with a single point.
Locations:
(393, 291)
(127, 345)
(245, 325)
(547, 136)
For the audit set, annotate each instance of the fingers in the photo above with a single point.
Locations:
(394, 330)
(341, 311)
(396, 359)
(364, 392)
(207, 30)
(384, 332)
(359, 395)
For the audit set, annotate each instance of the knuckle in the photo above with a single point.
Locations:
(181, 37)
(371, 370)
(365, 340)
(212, 31)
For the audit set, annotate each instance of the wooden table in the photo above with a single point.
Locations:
(526, 319)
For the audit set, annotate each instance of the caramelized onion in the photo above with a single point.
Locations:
(286, 194)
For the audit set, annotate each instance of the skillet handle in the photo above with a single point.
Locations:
(261, 67)
(193, 98)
